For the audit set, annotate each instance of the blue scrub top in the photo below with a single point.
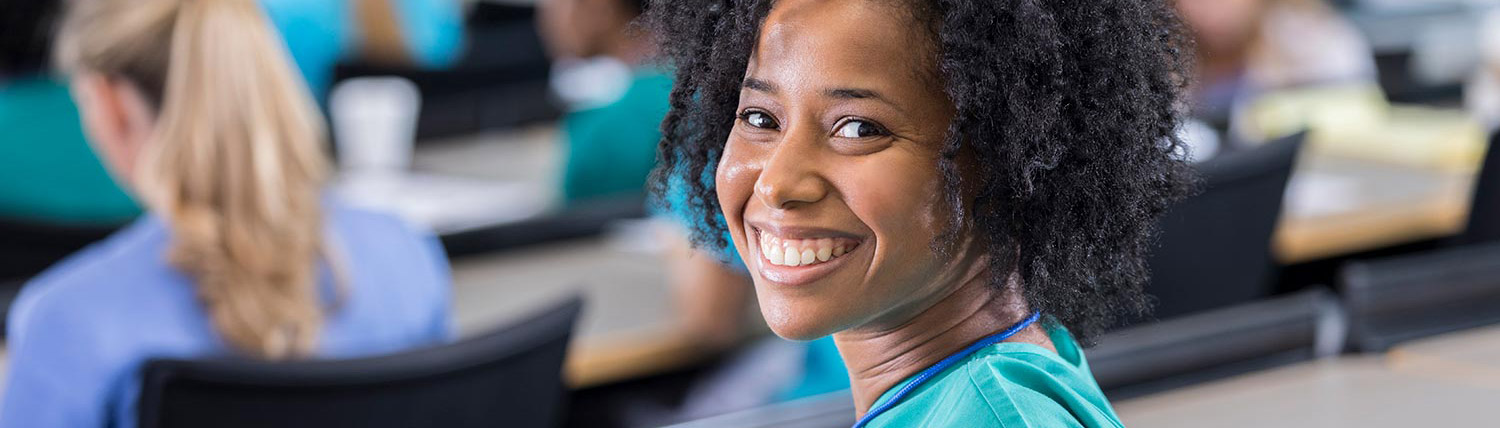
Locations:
(79, 332)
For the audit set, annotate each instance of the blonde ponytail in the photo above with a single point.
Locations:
(236, 165)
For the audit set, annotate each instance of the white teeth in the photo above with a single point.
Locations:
(799, 252)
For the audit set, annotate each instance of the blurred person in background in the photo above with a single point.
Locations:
(321, 33)
(1248, 48)
(52, 176)
(196, 107)
(611, 145)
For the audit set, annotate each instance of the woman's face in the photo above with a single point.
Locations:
(829, 180)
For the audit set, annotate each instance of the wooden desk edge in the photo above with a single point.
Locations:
(632, 355)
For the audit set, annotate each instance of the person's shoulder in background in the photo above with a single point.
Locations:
(129, 264)
(398, 278)
(76, 330)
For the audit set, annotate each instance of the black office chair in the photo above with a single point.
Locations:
(29, 247)
(511, 377)
(1215, 247)
(1212, 345)
(1401, 298)
(1484, 213)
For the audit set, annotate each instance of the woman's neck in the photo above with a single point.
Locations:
(880, 358)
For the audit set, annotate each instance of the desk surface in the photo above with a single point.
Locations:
(1469, 357)
(1391, 390)
(1337, 206)
(627, 328)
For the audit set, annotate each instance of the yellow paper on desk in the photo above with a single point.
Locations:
(1355, 121)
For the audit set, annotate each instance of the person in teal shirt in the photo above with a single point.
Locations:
(612, 148)
(960, 192)
(611, 144)
(51, 175)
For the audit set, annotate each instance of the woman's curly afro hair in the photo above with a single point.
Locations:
(1067, 107)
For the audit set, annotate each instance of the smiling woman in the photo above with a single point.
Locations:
(920, 178)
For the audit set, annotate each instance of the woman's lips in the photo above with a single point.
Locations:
(803, 259)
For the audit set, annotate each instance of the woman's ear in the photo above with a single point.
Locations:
(116, 118)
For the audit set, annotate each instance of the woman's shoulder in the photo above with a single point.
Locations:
(130, 263)
(1026, 385)
(343, 215)
(1008, 385)
(381, 245)
(370, 232)
(93, 305)
(398, 280)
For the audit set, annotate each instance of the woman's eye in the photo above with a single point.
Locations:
(759, 120)
(858, 129)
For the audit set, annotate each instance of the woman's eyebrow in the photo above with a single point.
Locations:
(852, 93)
(758, 85)
(861, 94)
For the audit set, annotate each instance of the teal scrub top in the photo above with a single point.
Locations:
(612, 149)
(1007, 385)
(51, 174)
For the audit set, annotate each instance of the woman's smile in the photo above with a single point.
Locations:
(789, 255)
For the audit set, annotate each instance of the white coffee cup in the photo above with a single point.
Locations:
(375, 124)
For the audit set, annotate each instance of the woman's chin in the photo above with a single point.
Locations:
(789, 325)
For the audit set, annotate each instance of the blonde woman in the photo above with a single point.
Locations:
(196, 108)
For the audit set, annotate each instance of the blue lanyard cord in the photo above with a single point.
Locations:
(944, 364)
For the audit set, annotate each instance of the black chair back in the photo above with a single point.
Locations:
(511, 377)
(1407, 297)
(1219, 343)
(1215, 247)
(30, 247)
(1484, 213)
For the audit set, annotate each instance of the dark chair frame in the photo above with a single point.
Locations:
(1211, 345)
(1484, 209)
(1215, 247)
(374, 391)
(1396, 299)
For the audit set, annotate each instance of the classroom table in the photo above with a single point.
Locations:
(1469, 357)
(1386, 390)
(465, 184)
(1336, 206)
(627, 329)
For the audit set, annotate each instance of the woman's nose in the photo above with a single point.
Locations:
(791, 176)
